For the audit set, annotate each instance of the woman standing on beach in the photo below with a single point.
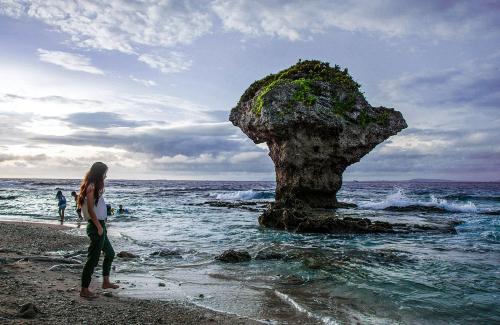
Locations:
(91, 201)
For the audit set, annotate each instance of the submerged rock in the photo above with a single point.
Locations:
(167, 253)
(269, 255)
(316, 122)
(233, 256)
(124, 254)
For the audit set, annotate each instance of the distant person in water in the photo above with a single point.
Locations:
(78, 210)
(91, 201)
(121, 210)
(61, 203)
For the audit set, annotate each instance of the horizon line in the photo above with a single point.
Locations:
(414, 180)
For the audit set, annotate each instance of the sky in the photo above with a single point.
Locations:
(147, 86)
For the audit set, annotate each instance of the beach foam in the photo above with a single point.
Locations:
(286, 298)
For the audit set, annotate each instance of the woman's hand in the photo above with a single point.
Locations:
(100, 231)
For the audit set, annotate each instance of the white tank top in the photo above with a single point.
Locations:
(100, 209)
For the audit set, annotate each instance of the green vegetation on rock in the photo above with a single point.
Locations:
(304, 74)
(364, 119)
(305, 92)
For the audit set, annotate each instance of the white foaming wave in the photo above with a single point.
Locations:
(240, 195)
(325, 320)
(399, 199)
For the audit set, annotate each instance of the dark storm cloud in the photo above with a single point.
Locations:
(476, 83)
(455, 154)
(201, 148)
(190, 140)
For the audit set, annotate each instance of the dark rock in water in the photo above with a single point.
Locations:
(161, 284)
(269, 255)
(8, 197)
(124, 254)
(315, 263)
(232, 256)
(291, 279)
(316, 122)
(28, 310)
(306, 220)
(300, 219)
(419, 208)
(250, 206)
(166, 253)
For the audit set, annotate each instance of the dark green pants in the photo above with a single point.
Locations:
(97, 244)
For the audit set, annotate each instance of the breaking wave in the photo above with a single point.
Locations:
(244, 195)
(400, 202)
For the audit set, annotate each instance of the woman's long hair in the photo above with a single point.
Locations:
(94, 176)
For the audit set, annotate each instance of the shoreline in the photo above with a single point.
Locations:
(53, 286)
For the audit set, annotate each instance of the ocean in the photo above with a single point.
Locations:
(403, 278)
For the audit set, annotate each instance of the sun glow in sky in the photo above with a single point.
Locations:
(147, 86)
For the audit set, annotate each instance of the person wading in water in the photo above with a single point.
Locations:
(91, 201)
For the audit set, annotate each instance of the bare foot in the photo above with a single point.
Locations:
(110, 285)
(87, 294)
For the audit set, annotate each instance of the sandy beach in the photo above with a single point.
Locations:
(31, 272)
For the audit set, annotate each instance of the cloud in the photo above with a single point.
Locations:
(214, 147)
(475, 83)
(295, 20)
(171, 63)
(430, 153)
(48, 99)
(188, 140)
(130, 27)
(26, 158)
(247, 156)
(118, 25)
(100, 120)
(151, 107)
(70, 61)
(144, 82)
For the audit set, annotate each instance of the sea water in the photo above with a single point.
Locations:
(417, 278)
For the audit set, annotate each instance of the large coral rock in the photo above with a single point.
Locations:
(315, 122)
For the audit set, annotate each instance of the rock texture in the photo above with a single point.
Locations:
(233, 256)
(316, 122)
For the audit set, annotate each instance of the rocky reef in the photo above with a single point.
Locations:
(316, 122)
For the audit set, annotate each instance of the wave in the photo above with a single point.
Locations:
(244, 195)
(286, 298)
(468, 197)
(400, 202)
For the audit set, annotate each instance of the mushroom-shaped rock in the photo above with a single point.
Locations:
(316, 122)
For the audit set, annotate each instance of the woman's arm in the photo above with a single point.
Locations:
(90, 207)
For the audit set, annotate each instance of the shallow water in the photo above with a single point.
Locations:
(384, 278)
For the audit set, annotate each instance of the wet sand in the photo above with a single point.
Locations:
(52, 285)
